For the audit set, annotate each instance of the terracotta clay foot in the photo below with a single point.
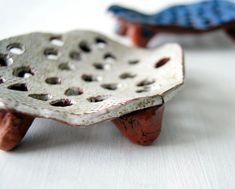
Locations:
(121, 27)
(231, 33)
(139, 35)
(13, 127)
(143, 126)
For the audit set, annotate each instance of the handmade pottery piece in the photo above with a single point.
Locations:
(195, 18)
(81, 78)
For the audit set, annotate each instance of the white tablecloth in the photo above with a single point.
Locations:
(196, 148)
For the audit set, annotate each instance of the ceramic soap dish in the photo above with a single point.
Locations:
(81, 78)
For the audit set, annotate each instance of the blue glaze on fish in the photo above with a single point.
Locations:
(199, 16)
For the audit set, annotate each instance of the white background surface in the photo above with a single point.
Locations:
(196, 148)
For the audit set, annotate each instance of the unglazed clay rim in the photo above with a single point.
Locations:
(168, 79)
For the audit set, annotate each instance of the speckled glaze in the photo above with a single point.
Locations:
(82, 77)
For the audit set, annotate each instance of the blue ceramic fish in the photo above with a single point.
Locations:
(191, 18)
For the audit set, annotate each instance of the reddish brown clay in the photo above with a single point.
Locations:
(13, 127)
(143, 126)
(136, 36)
(135, 31)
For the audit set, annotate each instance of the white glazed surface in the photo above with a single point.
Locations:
(125, 99)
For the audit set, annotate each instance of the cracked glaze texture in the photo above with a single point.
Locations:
(83, 77)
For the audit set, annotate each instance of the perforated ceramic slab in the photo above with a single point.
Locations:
(83, 77)
(205, 15)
